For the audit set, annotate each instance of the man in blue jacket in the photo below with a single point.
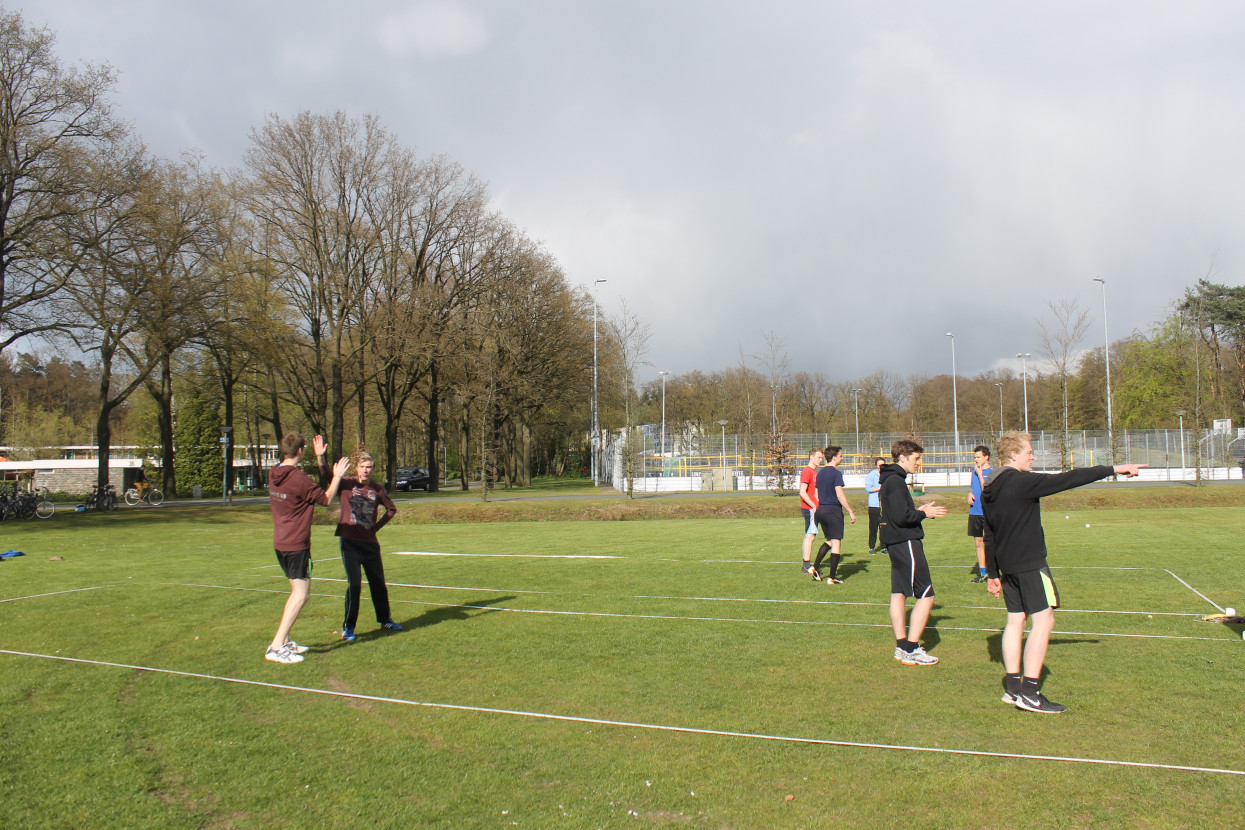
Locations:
(1016, 561)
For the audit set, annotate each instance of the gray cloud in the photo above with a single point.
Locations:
(859, 178)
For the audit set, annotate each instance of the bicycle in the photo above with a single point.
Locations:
(44, 508)
(101, 500)
(152, 496)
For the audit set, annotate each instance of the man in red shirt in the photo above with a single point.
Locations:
(808, 507)
(293, 496)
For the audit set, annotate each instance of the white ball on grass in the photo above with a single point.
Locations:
(1087, 525)
(1231, 612)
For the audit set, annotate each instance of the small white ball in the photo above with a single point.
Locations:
(1231, 612)
(1067, 517)
(1087, 525)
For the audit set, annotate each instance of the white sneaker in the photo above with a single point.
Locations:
(282, 655)
(918, 657)
(296, 648)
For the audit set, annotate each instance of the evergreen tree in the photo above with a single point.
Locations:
(197, 453)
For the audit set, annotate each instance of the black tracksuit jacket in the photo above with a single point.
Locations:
(1011, 503)
(901, 521)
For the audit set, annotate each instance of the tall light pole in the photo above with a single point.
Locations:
(856, 406)
(1180, 414)
(1106, 355)
(955, 407)
(1024, 373)
(722, 423)
(663, 417)
(1000, 386)
(596, 477)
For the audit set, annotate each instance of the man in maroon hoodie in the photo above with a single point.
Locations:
(293, 496)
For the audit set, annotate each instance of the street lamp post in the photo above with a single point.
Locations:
(1024, 373)
(663, 419)
(1106, 355)
(1000, 386)
(856, 406)
(955, 408)
(722, 423)
(1180, 414)
(596, 473)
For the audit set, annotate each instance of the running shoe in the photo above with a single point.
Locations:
(296, 648)
(919, 657)
(816, 574)
(806, 568)
(348, 635)
(391, 626)
(834, 580)
(1008, 697)
(900, 654)
(282, 655)
(1035, 702)
(979, 578)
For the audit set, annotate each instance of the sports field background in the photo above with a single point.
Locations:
(655, 673)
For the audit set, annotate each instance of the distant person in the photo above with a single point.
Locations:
(831, 502)
(873, 485)
(1016, 561)
(976, 521)
(808, 506)
(902, 533)
(293, 497)
(357, 524)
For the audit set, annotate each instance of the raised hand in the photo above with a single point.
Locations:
(319, 445)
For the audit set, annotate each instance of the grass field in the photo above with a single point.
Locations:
(660, 673)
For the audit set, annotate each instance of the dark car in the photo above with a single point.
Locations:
(411, 478)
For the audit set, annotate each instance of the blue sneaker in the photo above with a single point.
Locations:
(348, 635)
(391, 626)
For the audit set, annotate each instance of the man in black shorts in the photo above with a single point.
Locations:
(293, 497)
(977, 521)
(902, 533)
(1016, 561)
(831, 502)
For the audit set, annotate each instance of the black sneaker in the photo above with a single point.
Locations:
(1035, 702)
(979, 578)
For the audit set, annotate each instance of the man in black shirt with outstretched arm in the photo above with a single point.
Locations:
(1016, 561)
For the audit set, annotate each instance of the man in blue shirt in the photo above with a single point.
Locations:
(977, 519)
(873, 483)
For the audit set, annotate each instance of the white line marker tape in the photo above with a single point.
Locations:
(507, 555)
(559, 613)
(1195, 590)
(687, 730)
(54, 593)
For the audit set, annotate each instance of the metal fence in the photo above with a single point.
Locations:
(1186, 454)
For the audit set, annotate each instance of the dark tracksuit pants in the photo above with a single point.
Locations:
(875, 517)
(364, 556)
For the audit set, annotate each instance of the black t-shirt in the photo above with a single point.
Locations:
(828, 478)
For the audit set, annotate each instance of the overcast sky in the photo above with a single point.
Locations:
(860, 178)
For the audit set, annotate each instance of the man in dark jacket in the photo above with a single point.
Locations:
(902, 533)
(1016, 560)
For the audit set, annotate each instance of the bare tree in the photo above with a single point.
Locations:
(1059, 343)
(632, 336)
(52, 121)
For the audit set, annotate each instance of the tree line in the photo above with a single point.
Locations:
(340, 283)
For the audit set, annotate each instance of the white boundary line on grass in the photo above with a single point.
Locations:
(761, 600)
(687, 730)
(558, 613)
(1194, 590)
(54, 593)
(510, 555)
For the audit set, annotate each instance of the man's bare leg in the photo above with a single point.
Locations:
(300, 589)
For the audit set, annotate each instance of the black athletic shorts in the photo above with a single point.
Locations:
(1030, 592)
(831, 522)
(295, 563)
(909, 570)
(976, 526)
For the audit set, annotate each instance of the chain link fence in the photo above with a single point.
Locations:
(692, 461)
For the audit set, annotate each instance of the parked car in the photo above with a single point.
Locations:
(411, 478)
